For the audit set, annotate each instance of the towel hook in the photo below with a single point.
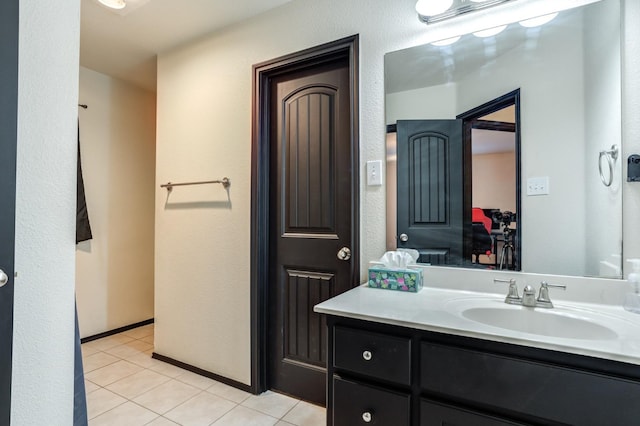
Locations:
(611, 156)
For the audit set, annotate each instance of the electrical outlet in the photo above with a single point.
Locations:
(374, 173)
(538, 185)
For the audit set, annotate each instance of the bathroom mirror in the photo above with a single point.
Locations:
(561, 177)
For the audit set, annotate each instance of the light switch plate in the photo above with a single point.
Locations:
(374, 173)
(538, 185)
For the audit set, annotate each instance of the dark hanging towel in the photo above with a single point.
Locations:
(83, 228)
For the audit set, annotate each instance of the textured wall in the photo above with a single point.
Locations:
(42, 387)
(204, 132)
(114, 270)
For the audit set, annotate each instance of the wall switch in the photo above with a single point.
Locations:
(538, 185)
(374, 173)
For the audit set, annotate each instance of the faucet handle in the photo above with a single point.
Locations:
(512, 296)
(543, 296)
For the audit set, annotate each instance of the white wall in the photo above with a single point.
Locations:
(630, 126)
(43, 335)
(419, 104)
(114, 270)
(602, 117)
(204, 131)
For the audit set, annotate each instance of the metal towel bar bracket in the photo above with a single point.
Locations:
(225, 183)
(611, 156)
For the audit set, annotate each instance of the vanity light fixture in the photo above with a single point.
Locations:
(432, 7)
(114, 4)
(431, 11)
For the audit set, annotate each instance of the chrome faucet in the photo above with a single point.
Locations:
(513, 298)
(543, 299)
(529, 294)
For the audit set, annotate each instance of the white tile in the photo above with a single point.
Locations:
(228, 392)
(243, 416)
(162, 421)
(138, 383)
(97, 360)
(148, 339)
(129, 414)
(271, 403)
(140, 332)
(89, 386)
(88, 350)
(142, 359)
(166, 396)
(196, 380)
(283, 423)
(113, 372)
(167, 369)
(305, 414)
(129, 349)
(108, 342)
(201, 410)
(101, 401)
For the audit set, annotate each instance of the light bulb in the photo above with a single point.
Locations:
(114, 4)
(432, 7)
(446, 41)
(540, 20)
(490, 31)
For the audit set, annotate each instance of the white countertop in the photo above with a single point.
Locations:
(439, 310)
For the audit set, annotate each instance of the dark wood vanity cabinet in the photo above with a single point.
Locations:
(389, 375)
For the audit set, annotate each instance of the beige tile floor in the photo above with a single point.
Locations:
(125, 386)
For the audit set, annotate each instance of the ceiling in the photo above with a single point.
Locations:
(125, 43)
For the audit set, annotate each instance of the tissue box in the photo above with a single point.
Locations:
(396, 279)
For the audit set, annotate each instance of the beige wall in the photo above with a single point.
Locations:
(204, 132)
(493, 177)
(114, 270)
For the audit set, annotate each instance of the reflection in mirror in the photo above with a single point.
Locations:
(563, 220)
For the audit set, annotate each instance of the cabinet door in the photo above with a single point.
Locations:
(436, 414)
(358, 404)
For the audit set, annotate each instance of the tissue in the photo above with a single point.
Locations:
(393, 272)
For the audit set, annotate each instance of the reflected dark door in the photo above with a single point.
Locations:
(8, 138)
(430, 189)
(311, 220)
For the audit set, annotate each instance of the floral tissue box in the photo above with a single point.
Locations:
(396, 279)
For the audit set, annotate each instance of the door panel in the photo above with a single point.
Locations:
(311, 220)
(8, 138)
(430, 189)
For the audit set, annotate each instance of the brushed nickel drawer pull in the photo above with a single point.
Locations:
(367, 355)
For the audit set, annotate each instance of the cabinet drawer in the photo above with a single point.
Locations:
(376, 355)
(358, 404)
(528, 390)
(436, 414)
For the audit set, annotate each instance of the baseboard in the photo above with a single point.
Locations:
(116, 331)
(202, 372)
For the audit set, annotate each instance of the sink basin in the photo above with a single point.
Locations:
(561, 322)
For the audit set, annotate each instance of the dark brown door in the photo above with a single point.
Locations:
(430, 189)
(8, 141)
(311, 204)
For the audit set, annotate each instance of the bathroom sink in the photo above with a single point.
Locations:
(559, 322)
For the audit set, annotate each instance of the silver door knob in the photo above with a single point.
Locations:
(344, 253)
(404, 238)
(4, 279)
